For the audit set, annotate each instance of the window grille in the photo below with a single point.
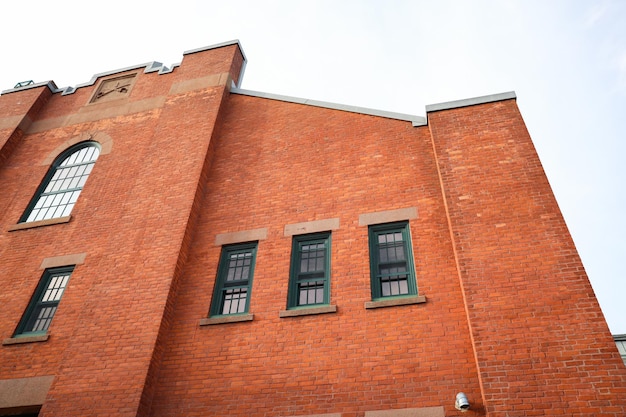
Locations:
(43, 305)
(310, 270)
(391, 260)
(62, 185)
(234, 279)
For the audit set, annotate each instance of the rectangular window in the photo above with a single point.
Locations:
(309, 282)
(234, 279)
(45, 301)
(391, 260)
(620, 341)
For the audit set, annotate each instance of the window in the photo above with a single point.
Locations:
(62, 185)
(310, 270)
(620, 341)
(45, 301)
(391, 260)
(234, 279)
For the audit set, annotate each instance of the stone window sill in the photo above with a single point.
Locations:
(392, 302)
(40, 223)
(308, 311)
(208, 321)
(25, 339)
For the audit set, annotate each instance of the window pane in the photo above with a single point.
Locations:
(64, 184)
(32, 215)
(44, 317)
(319, 295)
(71, 159)
(63, 173)
(382, 255)
(67, 210)
(72, 172)
(50, 186)
(311, 293)
(40, 202)
(239, 267)
(89, 154)
(66, 198)
(58, 212)
(235, 301)
(74, 197)
(41, 214)
(399, 253)
(82, 181)
(386, 289)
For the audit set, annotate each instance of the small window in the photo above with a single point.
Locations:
(309, 282)
(391, 260)
(620, 341)
(234, 279)
(61, 187)
(43, 305)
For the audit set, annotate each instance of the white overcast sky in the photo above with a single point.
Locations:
(565, 59)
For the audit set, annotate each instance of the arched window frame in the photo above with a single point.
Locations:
(72, 192)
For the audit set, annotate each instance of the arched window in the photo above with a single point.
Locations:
(62, 185)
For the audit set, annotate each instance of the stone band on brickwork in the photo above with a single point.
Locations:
(24, 392)
(235, 318)
(39, 223)
(65, 260)
(408, 412)
(311, 227)
(240, 237)
(308, 311)
(388, 216)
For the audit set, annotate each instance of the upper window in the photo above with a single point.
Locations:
(234, 279)
(391, 260)
(620, 341)
(43, 305)
(310, 270)
(62, 185)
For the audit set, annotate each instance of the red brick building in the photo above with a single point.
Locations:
(172, 245)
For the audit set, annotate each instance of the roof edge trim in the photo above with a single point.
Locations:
(153, 66)
(217, 45)
(448, 105)
(416, 120)
(50, 84)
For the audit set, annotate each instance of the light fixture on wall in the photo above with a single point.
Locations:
(461, 403)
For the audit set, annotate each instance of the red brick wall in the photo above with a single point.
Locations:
(510, 318)
(17, 112)
(543, 347)
(130, 219)
(278, 163)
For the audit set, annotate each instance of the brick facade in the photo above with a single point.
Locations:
(504, 312)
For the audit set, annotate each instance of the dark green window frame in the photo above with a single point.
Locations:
(58, 192)
(44, 302)
(391, 261)
(309, 278)
(233, 284)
